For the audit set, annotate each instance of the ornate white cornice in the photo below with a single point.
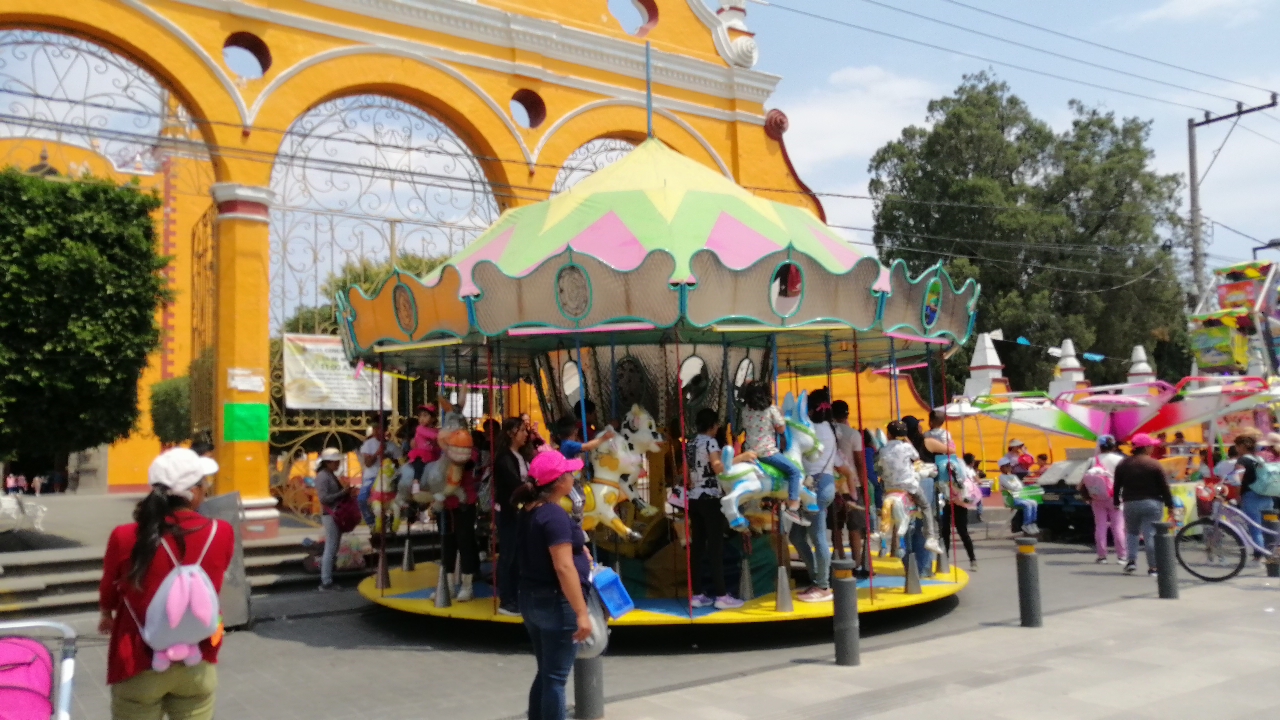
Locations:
(510, 31)
(229, 192)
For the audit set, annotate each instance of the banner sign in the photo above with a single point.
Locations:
(317, 376)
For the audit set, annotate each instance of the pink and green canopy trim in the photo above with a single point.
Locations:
(654, 199)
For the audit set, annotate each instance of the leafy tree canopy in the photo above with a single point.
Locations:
(80, 284)
(1070, 234)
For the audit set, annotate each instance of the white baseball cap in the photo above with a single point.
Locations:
(179, 469)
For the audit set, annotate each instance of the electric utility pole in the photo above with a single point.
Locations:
(1197, 235)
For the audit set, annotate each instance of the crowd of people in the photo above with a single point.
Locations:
(19, 484)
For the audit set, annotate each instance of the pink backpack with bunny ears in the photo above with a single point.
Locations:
(183, 613)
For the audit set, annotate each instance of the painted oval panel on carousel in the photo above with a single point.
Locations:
(932, 305)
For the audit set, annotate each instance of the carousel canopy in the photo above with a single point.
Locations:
(659, 249)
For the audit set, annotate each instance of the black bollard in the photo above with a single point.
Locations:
(844, 588)
(1271, 521)
(1029, 583)
(588, 688)
(1166, 563)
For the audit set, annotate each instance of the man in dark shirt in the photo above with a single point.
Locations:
(1141, 485)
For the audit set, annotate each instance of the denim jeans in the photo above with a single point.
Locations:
(362, 499)
(1030, 511)
(551, 623)
(332, 538)
(811, 542)
(779, 462)
(913, 543)
(1253, 505)
(1140, 516)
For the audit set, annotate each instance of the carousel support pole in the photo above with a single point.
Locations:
(493, 429)
(866, 481)
(746, 589)
(613, 382)
(928, 361)
(582, 390)
(782, 587)
(384, 573)
(728, 383)
(407, 563)
(684, 469)
(837, 516)
(946, 401)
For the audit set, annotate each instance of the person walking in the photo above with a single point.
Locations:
(554, 567)
(1143, 490)
(1251, 503)
(510, 472)
(1097, 488)
(329, 490)
(139, 557)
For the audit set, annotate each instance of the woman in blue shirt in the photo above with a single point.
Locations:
(554, 566)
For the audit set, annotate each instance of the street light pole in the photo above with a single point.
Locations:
(1272, 244)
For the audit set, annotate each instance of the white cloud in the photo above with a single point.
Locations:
(837, 127)
(1234, 11)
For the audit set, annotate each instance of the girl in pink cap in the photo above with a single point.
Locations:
(554, 567)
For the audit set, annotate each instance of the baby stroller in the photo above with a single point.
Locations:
(27, 673)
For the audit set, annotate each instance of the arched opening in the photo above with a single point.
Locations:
(590, 157)
(694, 379)
(247, 55)
(528, 108)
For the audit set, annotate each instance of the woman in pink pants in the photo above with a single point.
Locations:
(1095, 488)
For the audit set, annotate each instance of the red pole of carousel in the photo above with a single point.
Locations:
(942, 370)
(866, 483)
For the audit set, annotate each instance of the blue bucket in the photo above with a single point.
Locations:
(617, 601)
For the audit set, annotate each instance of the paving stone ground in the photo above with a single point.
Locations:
(1108, 646)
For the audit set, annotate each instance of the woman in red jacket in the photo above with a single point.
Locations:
(133, 570)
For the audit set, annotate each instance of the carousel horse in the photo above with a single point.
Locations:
(382, 497)
(443, 477)
(896, 514)
(747, 481)
(617, 464)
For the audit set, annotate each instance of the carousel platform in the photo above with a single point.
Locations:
(414, 592)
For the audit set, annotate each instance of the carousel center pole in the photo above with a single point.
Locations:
(893, 375)
(942, 370)
(494, 427)
(613, 382)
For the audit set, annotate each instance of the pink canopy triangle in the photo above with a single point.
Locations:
(841, 251)
(491, 251)
(609, 241)
(737, 245)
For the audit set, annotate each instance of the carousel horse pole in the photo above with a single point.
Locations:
(837, 516)
(384, 573)
(493, 453)
(866, 481)
(613, 382)
(684, 470)
(893, 376)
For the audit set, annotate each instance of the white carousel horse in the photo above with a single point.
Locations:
(617, 464)
(443, 477)
(896, 514)
(745, 482)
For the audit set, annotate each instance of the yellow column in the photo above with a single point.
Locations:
(243, 368)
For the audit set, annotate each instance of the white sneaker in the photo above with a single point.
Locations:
(932, 546)
(728, 602)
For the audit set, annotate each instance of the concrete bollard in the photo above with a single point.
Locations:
(1029, 583)
(844, 587)
(588, 688)
(912, 586)
(1271, 521)
(444, 595)
(782, 592)
(1166, 562)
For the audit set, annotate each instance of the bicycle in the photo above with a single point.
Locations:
(1216, 548)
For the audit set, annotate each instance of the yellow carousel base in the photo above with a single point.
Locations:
(414, 592)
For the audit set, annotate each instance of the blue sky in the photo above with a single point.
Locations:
(847, 92)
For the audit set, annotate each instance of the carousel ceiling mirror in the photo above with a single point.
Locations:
(787, 289)
(746, 372)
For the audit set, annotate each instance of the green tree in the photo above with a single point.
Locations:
(364, 273)
(171, 410)
(1070, 234)
(80, 284)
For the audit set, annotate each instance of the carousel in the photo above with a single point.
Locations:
(651, 290)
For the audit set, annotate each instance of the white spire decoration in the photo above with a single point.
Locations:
(1070, 371)
(983, 368)
(1140, 371)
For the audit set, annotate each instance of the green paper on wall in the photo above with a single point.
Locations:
(246, 422)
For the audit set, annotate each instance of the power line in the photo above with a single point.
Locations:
(945, 203)
(1248, 129)
(1045, 51)
(1105, 47)
(1014, 66)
